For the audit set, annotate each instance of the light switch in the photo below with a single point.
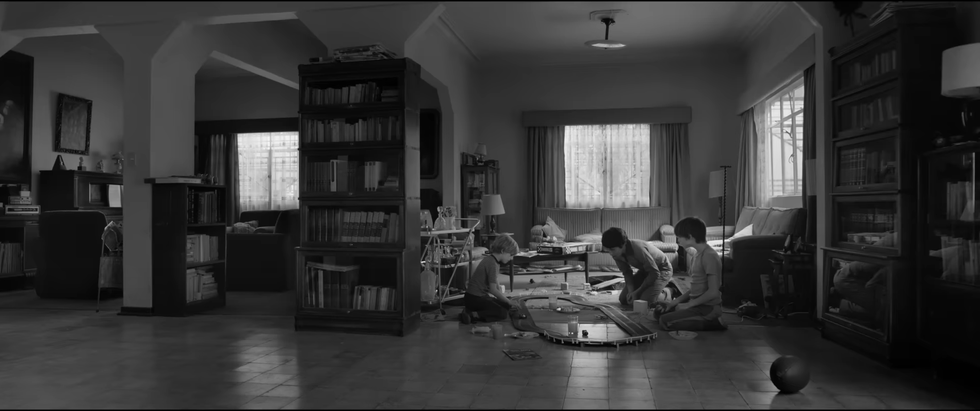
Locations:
(131, 156)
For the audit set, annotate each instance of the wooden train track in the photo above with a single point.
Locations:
(638, 333)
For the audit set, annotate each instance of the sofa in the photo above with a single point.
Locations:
(650, 224)
(749, 249)
(261, 251)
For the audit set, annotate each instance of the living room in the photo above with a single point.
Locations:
(483, 85)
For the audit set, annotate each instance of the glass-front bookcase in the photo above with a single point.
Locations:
(949, 252)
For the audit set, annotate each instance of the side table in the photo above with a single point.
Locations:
(792, 283)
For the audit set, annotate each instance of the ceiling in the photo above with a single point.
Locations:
(554, 33)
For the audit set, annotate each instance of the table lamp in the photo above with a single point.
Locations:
(961, 79)
(492, 206)
(481, 153)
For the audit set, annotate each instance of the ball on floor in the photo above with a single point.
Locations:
(789, 374)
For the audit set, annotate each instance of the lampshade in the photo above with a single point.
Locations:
(811, 176)
(481, 149)
(961, 71)
(492, 205)
(716, 184)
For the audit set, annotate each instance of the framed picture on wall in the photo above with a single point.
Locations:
(429, 142)
(73, 125)
(16, 107)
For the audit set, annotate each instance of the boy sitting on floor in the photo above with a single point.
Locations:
(483, 299)
(653, 268)
(699, 309)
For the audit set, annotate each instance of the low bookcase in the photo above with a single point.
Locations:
(188, 248)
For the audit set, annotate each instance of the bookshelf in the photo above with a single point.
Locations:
(357, 264)
(885, 105)
(475, 182)
(949, 253)
(188, 248)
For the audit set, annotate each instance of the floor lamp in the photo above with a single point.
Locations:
(717, 188)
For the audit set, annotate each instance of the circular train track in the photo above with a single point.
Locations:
(638, 333)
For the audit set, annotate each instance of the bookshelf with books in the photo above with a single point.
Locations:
(949, 253)
(359, 178)
(886, 107)
(188, 248)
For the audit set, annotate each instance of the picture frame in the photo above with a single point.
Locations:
(16, 104)
(73, 127)
(429, 143)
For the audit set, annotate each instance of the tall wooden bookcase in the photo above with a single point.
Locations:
(358, 261)
(181, 213)
(886, 106)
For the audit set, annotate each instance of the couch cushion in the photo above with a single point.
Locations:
(758, 220)
(551, 228)
(573, 221)
(745, 218)
(781, 221)
(588, 238)
(640, 223)
(665, 247)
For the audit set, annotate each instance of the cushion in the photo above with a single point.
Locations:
(781, 221)
(665, 247)
(589, 238)
(265, 230)
(758, 220)
(242, 228)
(747, 231)
(745, 218)
(551, 229)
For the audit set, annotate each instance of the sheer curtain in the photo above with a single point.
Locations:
(607, 166)
(762, 197)
(268, 171)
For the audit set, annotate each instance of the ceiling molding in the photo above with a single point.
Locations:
(760, 21)
(446, 25)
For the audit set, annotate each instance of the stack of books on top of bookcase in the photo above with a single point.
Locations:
(339, 225)
(201, 284)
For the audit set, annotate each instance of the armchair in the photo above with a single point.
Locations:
(747, 256)
(264, 260)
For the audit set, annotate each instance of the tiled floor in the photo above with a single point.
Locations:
(73, 359)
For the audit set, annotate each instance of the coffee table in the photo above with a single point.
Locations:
(523, 260)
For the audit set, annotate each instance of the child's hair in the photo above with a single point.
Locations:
(504, 244)
(691, 227)
(614, 237)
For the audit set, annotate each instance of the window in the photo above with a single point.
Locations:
(783, 141)
(268, 171)
(607, 166)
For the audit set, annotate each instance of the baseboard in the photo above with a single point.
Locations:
(136, 311)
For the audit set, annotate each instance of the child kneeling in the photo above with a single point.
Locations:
(699, 309)
(483, 299)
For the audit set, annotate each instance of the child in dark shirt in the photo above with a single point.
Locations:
(483, 299)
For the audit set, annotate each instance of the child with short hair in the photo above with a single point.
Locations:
(653, 267)
(699, 309)
(483, 299)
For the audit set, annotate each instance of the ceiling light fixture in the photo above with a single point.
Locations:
(606, 43)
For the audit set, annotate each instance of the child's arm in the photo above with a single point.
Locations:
(495, 290)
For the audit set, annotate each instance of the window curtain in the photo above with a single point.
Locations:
(750, 169)
(546, 160)
(607, 166)
(268, 169)
(669, 182)
(215, 156)
(810, 149)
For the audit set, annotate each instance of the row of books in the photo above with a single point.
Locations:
(961, 259)
(889, 8)
(874, 220)
(341, 131)
(961, 201)
(369, 92)
(369, 52)
(867, 114)
(862, 71)
(860, 167)
(343, 176)
(204, 207)
(201, 284)
(202, 248)
(329, 286)
(11, 258)
(339, 225)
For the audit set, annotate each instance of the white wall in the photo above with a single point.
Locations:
(83, 66)
(243, 98)
(785, 33)
(710, 88)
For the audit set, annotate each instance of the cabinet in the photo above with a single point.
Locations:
(188, 248)
(18, 233)
(477, 181)
(357, 264)
(885, 106)
(81, 190)
(949, 253)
